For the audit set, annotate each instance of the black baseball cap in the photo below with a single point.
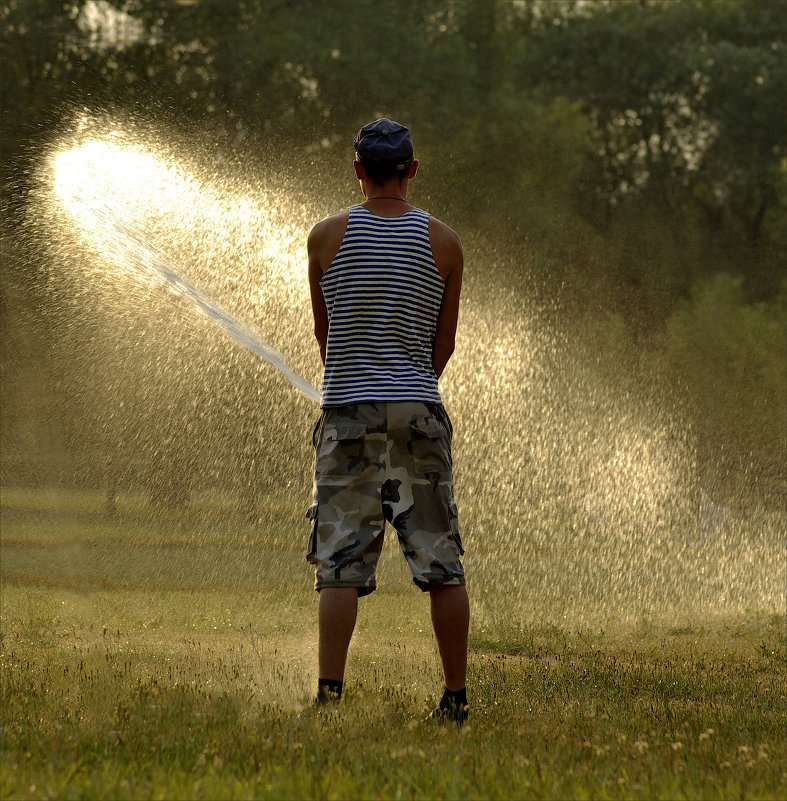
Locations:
(384, 142)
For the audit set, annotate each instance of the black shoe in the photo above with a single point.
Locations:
(451, 713)
(326, 699)
(329, 691)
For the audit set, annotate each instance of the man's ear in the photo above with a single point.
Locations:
(359, 171)
(413, 169)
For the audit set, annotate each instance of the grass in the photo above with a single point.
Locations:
(201, 688)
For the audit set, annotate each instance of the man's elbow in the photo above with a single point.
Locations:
(445, 343)
(441, 353)
(321, 333)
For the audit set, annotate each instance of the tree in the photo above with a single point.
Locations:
(685, 101)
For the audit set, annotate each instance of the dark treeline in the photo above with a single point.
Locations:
(654, 120)
(634, 152)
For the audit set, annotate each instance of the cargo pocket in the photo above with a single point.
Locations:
(311, 514)
(340, 449)
(317, 431)
(342, 432)
(429, 438)
(453, 522)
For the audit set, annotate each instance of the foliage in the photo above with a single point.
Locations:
(728, 359)
(682, 99)
(693, 117)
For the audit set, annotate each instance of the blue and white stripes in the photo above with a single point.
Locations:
(383, 294)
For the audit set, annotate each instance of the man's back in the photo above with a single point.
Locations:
(325, 241)
(383, 294)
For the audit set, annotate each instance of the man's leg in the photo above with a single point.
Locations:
(337, 613)
(451, 620)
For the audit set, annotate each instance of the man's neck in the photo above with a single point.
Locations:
(393, 190)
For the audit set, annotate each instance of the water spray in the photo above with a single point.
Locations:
(77, 183)
(587, 490)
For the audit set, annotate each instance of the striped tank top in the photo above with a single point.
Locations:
(383, 293)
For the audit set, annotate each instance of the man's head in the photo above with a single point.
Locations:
(385, 150)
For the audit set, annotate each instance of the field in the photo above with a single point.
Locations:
(153, 657)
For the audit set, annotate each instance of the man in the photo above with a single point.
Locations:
(385, 279)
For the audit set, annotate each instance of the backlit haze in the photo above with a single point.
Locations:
(579, 501)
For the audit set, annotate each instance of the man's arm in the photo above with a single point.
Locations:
(319, 311)
(447, 252)
(322, 245)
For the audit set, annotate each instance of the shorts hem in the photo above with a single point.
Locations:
(425, 586)
(363, 589)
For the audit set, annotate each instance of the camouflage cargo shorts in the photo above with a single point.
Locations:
(378, 463)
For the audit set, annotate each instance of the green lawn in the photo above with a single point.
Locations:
(143, 658)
